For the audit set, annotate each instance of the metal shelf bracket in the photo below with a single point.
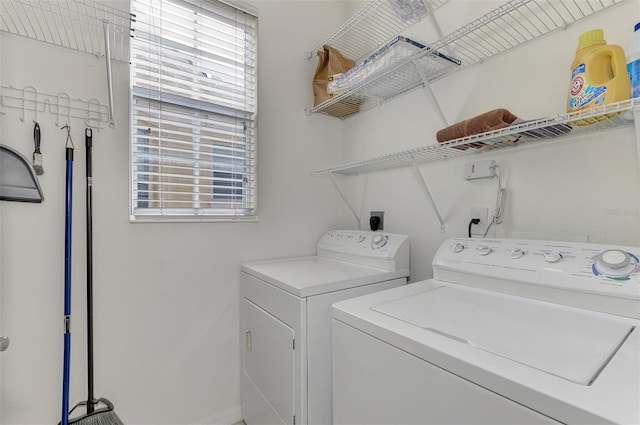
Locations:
(420, 71)
(425, 187)
(428, 87)
(346, 201)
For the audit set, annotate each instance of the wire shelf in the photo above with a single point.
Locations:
(498, 31)
(74, 24)
(597, 119)
(372, 26)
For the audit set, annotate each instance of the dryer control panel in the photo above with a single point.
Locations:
(516, 264)
(376, 249)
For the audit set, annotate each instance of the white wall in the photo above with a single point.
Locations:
(582, 186)
(166, 294)
(166, 301)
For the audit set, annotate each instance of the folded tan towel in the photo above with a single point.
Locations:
(492, 120)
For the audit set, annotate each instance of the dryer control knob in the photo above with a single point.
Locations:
(615, 258)
(483, 249)
(552, 257)
(457, 247)
(379, 241)
(516, 253)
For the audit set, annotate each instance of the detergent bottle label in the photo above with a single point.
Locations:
(582, 93)
(634, 72)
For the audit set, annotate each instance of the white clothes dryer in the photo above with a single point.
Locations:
(507, 332)
(285, 321)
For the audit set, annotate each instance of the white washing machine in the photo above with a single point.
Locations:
(507, 332)
(285, 320)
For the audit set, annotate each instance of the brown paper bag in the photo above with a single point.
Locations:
(331, 62)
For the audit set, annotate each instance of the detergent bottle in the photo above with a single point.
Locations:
(632, 50)
(598, 73)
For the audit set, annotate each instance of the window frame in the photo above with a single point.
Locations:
(192, 213)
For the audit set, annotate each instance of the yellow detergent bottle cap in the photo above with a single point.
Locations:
(591, 38)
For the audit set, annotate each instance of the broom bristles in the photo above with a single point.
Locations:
(99, 418)
(102, 416)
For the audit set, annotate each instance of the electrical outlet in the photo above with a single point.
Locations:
(483, 214)
(480, 170)
(380, 215)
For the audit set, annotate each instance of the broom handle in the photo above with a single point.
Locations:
(67, 287)
(89, 145)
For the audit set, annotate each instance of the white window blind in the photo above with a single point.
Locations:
(193, 112)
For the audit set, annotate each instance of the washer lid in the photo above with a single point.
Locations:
(561, 341)
(313, 275)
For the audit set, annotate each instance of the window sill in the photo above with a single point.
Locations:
(179, 219)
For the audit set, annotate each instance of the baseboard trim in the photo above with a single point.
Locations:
(228, 417)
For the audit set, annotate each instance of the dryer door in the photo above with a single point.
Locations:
(268, 366)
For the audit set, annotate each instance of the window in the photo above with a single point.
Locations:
(193, 111)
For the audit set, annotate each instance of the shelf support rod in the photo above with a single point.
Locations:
(434, 21)
(427, 86)
(344, 198)
(425, 188)
(436, 25)
(107, 55)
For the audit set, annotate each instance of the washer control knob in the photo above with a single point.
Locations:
(614, 258)
(615, 263)
(516, 253)
(483, 249)
(379, 241)
(552, 257)
(457, 247)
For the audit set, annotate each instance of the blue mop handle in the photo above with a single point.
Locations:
(67, 289)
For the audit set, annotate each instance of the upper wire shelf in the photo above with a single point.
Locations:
(74, 24)
(498, 31)
(374, 25)
(597, 119)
